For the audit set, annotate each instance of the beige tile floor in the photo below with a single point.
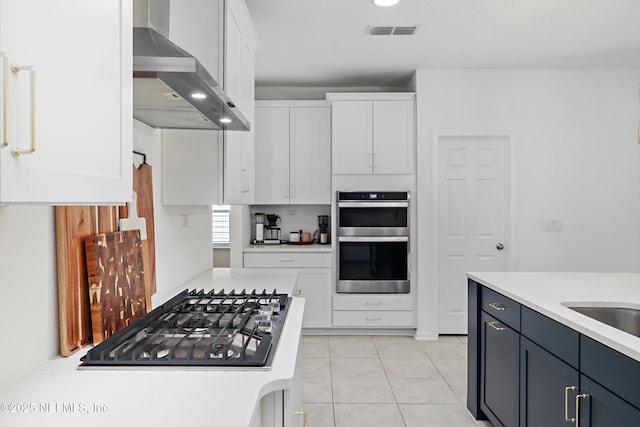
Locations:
(388, 381)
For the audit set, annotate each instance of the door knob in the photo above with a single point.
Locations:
(499, 246)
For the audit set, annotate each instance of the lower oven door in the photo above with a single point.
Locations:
(373, 265)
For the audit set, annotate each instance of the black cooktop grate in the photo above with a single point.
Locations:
(198, 328)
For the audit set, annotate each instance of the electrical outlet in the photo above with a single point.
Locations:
(185, 221)
(292, 213)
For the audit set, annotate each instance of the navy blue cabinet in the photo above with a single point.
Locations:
(601, 408)
(500, 347)
(548, 387)
(527, 370)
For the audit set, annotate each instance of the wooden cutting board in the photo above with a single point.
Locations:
(143, 186)
(116, 281)
(73, 224)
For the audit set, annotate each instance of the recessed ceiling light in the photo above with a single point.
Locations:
(225, 120)
(198, 95)
(385, 3)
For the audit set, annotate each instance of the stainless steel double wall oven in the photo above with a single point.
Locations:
(373, 249)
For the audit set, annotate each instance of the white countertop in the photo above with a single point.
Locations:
(546, 293)
(60, 394)
(288, 248)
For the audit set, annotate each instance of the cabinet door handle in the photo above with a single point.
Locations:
(496, 326)
(375, 160)
(372, 303)
(578, 397)
(286, 191)
(370, 155)
(373, 318)
(16, 69)
(244, 178)
(5, 99)
(566, 404)
(287, 260)
(497, 306)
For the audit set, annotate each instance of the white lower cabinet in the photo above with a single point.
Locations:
(282, 408)
(314, 280)
(314, 284)
(373, 311)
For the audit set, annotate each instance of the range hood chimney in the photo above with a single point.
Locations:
(171, 88)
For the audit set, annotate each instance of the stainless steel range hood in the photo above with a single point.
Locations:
(171, 88)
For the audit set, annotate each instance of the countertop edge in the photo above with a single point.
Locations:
(549, 298)
(130, 393)
(314, 248)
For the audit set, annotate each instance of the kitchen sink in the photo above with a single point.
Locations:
(622, 318)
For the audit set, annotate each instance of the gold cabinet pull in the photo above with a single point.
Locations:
(16, 69)
(578, 397)
(304, 417)
(566, 404)
(5, 99)
(496, 326)
(497, 306)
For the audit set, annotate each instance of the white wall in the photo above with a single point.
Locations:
(28, 289)
(28, 281)
(576, 160)
(181, 253)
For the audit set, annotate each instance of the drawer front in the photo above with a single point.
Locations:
(373, 319)
(372, 302)
(287, 259)
(502, 308)
(559, 340)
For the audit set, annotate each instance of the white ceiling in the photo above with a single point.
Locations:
(325, 42)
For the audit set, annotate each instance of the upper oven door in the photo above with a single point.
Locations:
(373, 218)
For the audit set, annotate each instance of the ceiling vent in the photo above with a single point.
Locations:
(392, 31)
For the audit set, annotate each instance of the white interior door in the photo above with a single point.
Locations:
(472, 218)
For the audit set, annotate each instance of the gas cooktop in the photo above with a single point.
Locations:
(215, 329)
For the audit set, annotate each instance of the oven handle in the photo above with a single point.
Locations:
(375, 239)
(399, 204)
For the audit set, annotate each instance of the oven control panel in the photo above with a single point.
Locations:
(372, 195)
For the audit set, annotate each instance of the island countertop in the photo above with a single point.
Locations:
(551, 293)
(58, 393)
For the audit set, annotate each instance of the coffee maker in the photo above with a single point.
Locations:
(323, 229)
(272, 231)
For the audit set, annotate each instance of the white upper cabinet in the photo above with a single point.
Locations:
(373, 133)
(221, 35)
(197, 26)
(66, 119)
(310, 155)
(240, 45)
(293, 152)
(352, 137)
(272, 153)
(191, 167)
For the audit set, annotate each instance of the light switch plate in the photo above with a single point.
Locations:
(551, 225)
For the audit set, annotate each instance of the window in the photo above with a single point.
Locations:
(220, 218)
